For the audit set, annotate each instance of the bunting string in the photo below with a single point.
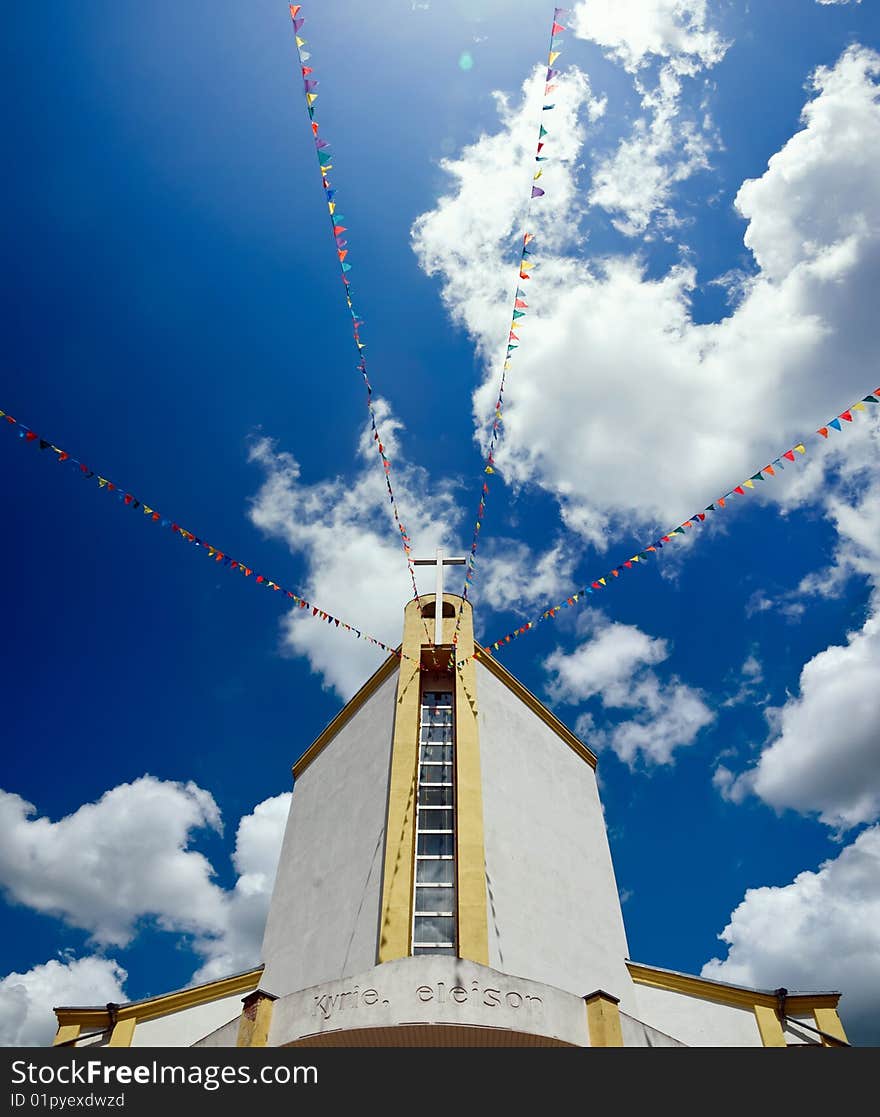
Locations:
(338, 229)
(608, 579)
(153, 516)
(518, 311)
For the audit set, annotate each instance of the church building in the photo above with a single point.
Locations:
(445, 880)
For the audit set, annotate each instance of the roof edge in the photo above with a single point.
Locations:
(163, 1004)
(535, 705)
(345, 715)
(709, 989)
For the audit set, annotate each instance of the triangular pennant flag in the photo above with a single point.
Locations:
(750, 484)
(300, 42)
(547, 108)
(870, 399)
(552, 56)
(858, 407)
(836, 424)
(801, 449)
(789, 455)
(536, 177)
(556, 28)
(543, 131)
(768, 469)
(548, 89)
(823, 431)
(519, 314)
(846, 415)
(527, 237)
(311, 98)
(757, 476)
(551, 74)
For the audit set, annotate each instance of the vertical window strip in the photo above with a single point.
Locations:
(434, 913)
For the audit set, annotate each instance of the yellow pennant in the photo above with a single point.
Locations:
(554, 54)
(147, 511)
(602, 580)
(538, 175)
(749, 484)
(858, 406)
(311, 98)
(300, 42)
(331, 206)
(801, 449)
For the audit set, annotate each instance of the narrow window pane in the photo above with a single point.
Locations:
(434, 950)
(437, 845)
(434, 929)
(429, 819)
(435, 796)
(436, 773)
(435, 872)
(437, 752)
(435, 899)
(436, 734)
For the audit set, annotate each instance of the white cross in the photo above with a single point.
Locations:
(438, 606)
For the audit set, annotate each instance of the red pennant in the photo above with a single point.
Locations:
(556, 28)
(846, 415)
(823, 431)
(30, 436)
(789, 455)
(739, 489)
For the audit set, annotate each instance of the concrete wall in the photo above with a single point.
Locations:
(553, 907)
(697, 1023)
(225, 1036)
(430, 989)
(182, 1029)
(324, 916)
(637, 1034)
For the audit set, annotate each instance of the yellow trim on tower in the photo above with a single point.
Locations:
(535, 705)
(400, 827)
(770, 1026)
(470, 853)
(99, 1017)
(345, 714)
(829, 1022)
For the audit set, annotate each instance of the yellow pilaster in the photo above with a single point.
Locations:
(256, 1018)
(473, 921)
(829, 1022)
(400, 828)
(603, 1019)
(65, 1033)
(770, 1026)
(123, 1032)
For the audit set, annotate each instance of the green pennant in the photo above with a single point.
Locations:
(757, 477)
(519, 314)
(544, 131)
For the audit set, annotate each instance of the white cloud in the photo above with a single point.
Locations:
(111, 865)
(708, 403)
(514, 576)
(820, 932)
(635, 183)
(634, 31)
(615, 665)
(27, 999)
(838, 2)
(257, 847)
(116, 861)
(344, 530)
(825, 753)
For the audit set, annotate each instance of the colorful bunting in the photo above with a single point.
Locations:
(342, 251)
(210, 550)
(699, 517)
(518, 313)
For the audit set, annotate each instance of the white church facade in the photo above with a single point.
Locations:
(445, 880)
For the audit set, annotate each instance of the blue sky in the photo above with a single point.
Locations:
(707, 251)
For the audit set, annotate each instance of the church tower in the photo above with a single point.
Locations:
(445, 879)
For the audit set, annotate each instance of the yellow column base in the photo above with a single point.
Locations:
(256, 1018)
(603, 1019)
